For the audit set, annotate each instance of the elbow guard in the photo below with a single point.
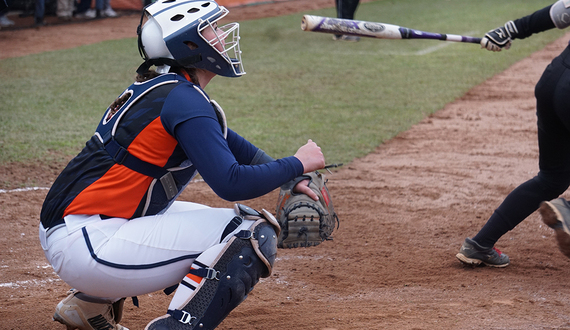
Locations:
(560, 14)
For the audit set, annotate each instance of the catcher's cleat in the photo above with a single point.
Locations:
(471, 253)
(556, 214)
(79, 311)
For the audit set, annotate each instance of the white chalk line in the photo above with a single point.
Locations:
(27, 283)
(47, 279)
(3, 191)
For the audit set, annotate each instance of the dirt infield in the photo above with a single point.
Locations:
(404, 211)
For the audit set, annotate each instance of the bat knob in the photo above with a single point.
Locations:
(303, 23)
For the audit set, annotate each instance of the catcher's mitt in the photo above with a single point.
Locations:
(305, 222)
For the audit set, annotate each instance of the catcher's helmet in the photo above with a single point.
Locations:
(173, 35)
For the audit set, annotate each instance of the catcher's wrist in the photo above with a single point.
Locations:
(292, 183)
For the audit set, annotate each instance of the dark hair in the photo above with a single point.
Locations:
(146, 76)
(117, 104)
(153, 74)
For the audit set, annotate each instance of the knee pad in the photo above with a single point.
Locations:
(227, 277)
(263, 235)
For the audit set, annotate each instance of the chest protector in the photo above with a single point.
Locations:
(107, 129)
(108, 126)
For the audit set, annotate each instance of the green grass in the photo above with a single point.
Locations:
(348, 97)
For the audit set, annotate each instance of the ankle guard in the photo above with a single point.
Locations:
(229, 278)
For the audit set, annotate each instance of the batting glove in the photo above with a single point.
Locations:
(499, 38)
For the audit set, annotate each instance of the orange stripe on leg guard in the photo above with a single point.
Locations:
(194, 278)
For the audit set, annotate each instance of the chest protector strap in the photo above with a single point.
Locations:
(120, 154)
(122, 157)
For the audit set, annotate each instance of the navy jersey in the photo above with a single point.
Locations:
(170, 125)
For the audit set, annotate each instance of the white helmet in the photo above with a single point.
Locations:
(173, 36)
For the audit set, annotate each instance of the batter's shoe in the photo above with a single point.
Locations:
(471, 253)
(556, 215)
(79, 311)
(5, 21)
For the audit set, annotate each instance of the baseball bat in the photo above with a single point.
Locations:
(374, 29)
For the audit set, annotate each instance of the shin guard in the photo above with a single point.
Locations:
(225, 274)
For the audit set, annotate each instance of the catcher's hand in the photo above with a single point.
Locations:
(305, 222)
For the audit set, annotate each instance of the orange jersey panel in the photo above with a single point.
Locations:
(119, 192)
(153, 145)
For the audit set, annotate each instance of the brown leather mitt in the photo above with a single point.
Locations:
(305, 222)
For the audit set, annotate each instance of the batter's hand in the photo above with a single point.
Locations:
(311, 157)
(499, 38)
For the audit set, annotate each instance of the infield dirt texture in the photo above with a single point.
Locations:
(404, 209)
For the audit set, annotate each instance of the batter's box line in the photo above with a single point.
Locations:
(3, 191)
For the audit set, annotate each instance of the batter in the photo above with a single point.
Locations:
(552, 94)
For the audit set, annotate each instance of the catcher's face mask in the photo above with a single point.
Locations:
(185, 33)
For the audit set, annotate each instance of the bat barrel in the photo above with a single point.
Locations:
(374, 29)
(309, 22)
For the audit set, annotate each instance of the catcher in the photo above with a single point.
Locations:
(111, 226)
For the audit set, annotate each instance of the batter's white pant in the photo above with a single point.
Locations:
(116, 258)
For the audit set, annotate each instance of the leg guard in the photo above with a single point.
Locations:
(227, 277)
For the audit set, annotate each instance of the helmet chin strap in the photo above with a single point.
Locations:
(160, 63)
(163, 68)
(167, 63)
(139, 40)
